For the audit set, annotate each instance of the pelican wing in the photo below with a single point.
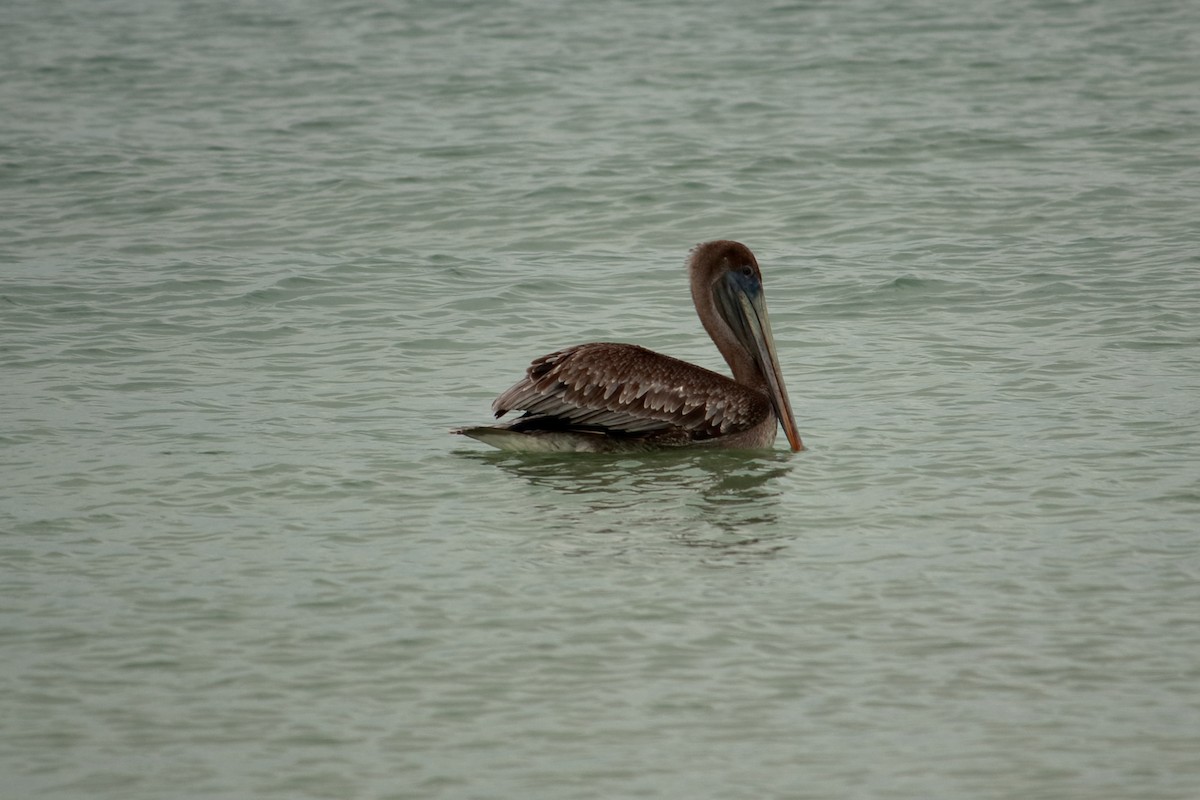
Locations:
(623, 388)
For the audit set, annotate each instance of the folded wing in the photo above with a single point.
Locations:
(626, 389)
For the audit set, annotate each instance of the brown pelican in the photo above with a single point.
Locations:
(606, 397)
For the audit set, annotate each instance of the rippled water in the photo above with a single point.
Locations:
(258, 259)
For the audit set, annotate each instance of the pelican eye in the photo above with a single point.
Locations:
(748, 271)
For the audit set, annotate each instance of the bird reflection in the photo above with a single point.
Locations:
(718, 500)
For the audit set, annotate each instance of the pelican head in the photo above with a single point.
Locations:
(728, 292)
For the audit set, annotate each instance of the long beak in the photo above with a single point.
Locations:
(761, 343)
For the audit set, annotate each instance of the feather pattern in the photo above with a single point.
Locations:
(628, 390)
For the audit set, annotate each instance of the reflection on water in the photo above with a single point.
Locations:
(716, 472)
(718, 499)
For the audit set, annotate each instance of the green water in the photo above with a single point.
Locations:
(258, 259)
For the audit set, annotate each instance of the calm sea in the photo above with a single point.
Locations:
(257, 258)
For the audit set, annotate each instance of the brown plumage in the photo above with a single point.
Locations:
(604, 397)
(626, 388)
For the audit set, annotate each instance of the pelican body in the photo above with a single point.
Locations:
(607, 397)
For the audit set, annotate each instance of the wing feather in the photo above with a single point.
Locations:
(626, 389)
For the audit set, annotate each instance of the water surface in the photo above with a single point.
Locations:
(259, 258)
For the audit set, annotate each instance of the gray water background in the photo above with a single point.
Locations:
(258, 257)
